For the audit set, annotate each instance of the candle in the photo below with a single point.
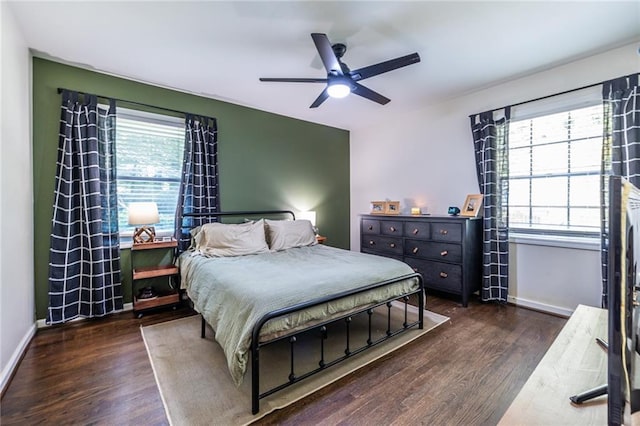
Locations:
(415, 210)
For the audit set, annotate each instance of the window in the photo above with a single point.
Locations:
(554, 166)
(149, 149)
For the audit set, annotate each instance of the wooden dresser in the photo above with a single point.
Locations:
(446, 250)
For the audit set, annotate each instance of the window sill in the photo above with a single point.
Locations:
(592, 244)
(126, 239)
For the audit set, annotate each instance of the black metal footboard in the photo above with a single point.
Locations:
(256, 395)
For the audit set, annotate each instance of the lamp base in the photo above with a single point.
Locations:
(144, 235)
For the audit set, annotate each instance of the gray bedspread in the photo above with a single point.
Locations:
(234, 293)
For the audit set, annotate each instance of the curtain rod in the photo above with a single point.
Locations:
(588, 86)
(60, 89)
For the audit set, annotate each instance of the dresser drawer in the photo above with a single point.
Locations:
(391, 227)
(433, 250)
(382, 244)
(446, 232)
(417, 229)
(370, 226)
(438, 275)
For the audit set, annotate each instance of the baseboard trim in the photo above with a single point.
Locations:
(542, 307)
(16, 357)
(42, 323)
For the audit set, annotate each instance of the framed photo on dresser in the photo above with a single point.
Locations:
(393, 207)
(472, 205)
(378, 207)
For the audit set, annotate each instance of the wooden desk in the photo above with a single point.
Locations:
(573, 364)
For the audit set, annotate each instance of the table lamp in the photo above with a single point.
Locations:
(143, 214)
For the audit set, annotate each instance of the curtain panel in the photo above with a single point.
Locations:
(199, 187)
(620, 150)
(84, 256)
(490, 140)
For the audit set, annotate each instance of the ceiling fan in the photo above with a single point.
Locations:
(340, 79)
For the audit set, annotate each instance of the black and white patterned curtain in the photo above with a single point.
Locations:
(490, 140)
(199, 191)
(84, 257)
(621, 148)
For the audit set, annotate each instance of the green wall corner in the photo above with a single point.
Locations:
(266, 161)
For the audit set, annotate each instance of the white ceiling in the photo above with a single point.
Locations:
(220, 49)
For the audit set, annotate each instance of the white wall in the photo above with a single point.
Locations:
(17, 306)
(554, 279)
(426, 159)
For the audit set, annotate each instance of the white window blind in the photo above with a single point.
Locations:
(149, 151)
(554, 165)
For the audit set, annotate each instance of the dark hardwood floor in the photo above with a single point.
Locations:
(465, 372)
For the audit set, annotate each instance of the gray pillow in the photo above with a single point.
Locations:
(284, 234)
(221, 239)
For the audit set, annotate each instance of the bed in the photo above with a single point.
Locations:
(262, 281)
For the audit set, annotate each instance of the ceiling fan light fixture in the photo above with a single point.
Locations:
(340, 79)
(338, 89)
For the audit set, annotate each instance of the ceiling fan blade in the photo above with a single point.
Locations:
(295, 80)
(327, 55)
(320, 99)
(382, 67)
(365, 92)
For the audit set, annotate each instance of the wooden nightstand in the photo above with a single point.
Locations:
(321, 239)
(147, 275)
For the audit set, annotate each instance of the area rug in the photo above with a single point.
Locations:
(196, 387)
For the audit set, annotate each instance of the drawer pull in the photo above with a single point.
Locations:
(415, 250)
(415, 231)
(443, 275)
(444, 252)
(372, 243)
(392, 229)
(370, 227)
(444, 232)
(392, 245)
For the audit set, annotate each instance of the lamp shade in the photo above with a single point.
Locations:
(309, 215)
(143, 213)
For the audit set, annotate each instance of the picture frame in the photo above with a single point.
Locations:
(472, 205)
(393, 207)
(378, 207)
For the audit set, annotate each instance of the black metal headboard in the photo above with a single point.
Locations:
(242, 213)
(184, 239)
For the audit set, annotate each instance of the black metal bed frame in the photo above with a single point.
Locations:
(346, 319)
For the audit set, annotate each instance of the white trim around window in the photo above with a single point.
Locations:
(576, 243)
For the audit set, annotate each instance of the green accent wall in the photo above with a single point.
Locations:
(266, 161)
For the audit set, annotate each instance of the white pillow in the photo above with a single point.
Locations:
(220, 239)
(284, 234)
